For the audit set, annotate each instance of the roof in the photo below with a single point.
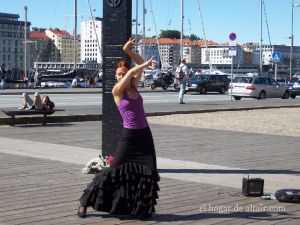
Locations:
(61, 32)
(186, 41)
(9, 15)
(37, 35)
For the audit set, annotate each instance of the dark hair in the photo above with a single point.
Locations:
(123, 63)
(47, 98)
(51, 104)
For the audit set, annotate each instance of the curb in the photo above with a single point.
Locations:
(51, 119)
(98, 117)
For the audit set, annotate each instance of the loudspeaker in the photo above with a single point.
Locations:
(288, 195)
(253, 186)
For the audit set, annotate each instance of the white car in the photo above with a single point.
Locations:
(259, 87)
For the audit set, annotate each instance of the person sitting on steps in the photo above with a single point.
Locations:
(37, 102)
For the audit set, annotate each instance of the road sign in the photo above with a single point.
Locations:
(232, 48)
(232, 36)
(276, 57)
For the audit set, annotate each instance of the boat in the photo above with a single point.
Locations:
(51, 75)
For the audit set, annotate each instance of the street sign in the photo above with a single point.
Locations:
(232, 36)
(232, 48)
(276, 57)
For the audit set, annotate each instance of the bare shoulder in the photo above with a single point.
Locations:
(116, 90)
(117, 93)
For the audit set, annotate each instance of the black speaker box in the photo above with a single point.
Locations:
(253, 186)
(288, 195)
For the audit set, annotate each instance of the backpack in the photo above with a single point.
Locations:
(179, 73)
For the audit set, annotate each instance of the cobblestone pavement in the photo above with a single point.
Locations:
(201, 172)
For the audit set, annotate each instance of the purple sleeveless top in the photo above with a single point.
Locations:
(132, 112)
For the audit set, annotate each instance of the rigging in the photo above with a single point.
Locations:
(267, 22)
(205, 41)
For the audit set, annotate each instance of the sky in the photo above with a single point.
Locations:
(220, 17)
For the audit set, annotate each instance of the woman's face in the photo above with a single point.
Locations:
(44, 100)
(121, 72)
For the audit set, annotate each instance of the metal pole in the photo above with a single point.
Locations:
(25, 44)
(144, 28)
(275, 71)
(260, 46)
(231, 78)
(292, 41)
(137, 24)
(143, 41)
(181, 33)
(75, 34)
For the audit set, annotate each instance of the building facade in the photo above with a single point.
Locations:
(63, 46)
(218, 55)
(91, 39)
(12, 33)
(41, 47)
(284, 50)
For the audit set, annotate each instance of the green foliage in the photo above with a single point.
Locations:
(194, 37)
(174, 34)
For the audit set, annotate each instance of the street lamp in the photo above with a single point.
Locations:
(292, 37)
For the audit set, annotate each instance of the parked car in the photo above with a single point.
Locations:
(259, 87)
(294, 86)
(281, 81)
(208, 82)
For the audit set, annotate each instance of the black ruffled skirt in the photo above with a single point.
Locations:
(130, 185)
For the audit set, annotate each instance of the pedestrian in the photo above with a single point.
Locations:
(91, 82)
(37, 102)
(197, 73)
(37, 78)
(182, 74)
(75, 82)
(129, 186)
(2, 76)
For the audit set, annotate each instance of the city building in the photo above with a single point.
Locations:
(91, 39)
(284, 50)
(63, 46)
(218, 55)
(41, 46)
(169, 54)
(12, 33)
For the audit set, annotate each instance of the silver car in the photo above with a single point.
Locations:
(259, 87)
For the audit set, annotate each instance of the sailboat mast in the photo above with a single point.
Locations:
(260, 45)
(144, 29)
(75, 33)
(136, 20)
(292, 42)
(181, 33)
(25, 44)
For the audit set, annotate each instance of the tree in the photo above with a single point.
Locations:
(174, 34)
(194, 37)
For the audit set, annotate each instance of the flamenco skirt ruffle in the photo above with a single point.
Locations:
(128, 189)
(130, 185)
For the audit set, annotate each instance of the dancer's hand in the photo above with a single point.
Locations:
(151, 63)
(129, 44)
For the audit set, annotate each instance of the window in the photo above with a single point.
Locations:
(258, 81)
(273, 82)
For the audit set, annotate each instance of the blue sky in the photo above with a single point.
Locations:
(220, 17)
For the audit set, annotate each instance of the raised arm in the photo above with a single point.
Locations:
(123, 83)
(136, 58)
(133, 55)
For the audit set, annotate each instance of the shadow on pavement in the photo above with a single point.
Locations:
(245, 171)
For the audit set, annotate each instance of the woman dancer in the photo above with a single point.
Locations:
(130, 185)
